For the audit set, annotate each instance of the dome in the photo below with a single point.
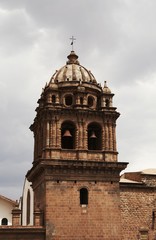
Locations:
(73, 71)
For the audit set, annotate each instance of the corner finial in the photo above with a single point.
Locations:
(105, 83)
(72, 42)
(105, 88)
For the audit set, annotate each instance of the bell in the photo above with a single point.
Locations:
(67, 133)
(93, 135)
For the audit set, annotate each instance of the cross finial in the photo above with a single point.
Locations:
(72, 42)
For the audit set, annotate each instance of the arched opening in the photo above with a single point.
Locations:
(107, 103)
(68, 100)
(28, 207)
(81, 100)
(83, 196)
(4, 221)
(68, 135)
(94, 136)
(53, 99)
(90, 101)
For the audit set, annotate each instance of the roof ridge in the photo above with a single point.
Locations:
(7, 199)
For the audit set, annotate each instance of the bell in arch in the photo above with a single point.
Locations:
(67, 133)
(93, 136)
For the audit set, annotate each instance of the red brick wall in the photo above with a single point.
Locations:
(137, 205)
(39, 196)
(67, 219)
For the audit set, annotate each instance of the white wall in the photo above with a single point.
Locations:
(6, 210)
(27, 187)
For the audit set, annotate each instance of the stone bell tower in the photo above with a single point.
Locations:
(75, 173)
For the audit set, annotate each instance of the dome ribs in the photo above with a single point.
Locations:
(82, 74)
(64, 73)
(73, 72)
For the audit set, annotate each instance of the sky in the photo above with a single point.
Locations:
(115, 39)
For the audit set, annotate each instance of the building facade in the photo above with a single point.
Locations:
(73, 190)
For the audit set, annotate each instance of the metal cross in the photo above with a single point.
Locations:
(72, 42)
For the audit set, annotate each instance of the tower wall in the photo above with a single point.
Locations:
(75, 173)
(66, 218)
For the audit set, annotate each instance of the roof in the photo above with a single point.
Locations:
(73, 71)
(7, 199)
(149, 171)
(136, 177)
(124, 180)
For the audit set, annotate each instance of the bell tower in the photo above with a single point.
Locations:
(75, 172)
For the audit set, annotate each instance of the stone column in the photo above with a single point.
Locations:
(38, 217)
(85, 137)
(106, 137)
(53, 133)
(114, 136)
(78, 100)
(80, 135)
(110, 137)
(76, 138)
(50, 134)
(49, 98)
(47, 134)
(16, 215)
(41, 139)
(103, 138)
(44, 133)
(57, 99)
(58, 134)
(102, 102)
(85, 100)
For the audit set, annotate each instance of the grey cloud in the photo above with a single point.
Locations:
(17, 31)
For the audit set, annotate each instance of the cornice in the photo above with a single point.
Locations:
(76, 170)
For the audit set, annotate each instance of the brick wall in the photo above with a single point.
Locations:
(67, 219)
(137, 205)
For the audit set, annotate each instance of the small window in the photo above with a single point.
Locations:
(53, 99)
(68, 100)
(107, 103)
(90, 101)
(83, 196)
(4, 221)
(81, 100)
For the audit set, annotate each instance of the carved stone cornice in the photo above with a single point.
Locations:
(68, 170)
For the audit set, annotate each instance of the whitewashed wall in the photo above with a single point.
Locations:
(6, 210)
(27, 187)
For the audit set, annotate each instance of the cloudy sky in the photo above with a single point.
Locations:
(116, 40)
